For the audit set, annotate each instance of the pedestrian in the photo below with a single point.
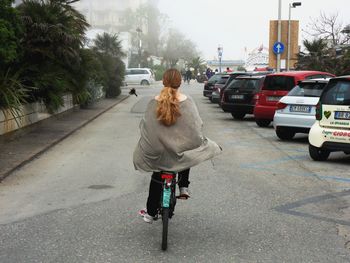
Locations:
(188, 76)
(171, 140)
(228, 69)
(209, 73)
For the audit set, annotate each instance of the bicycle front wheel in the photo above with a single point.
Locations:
(165, 219)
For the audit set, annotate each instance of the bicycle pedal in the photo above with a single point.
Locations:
(182, 197)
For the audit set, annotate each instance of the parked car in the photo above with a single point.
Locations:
(331, 131)
(143, 76)
(215, 95)
(240, 95)
(275, 87)
(234, 75)
(295, 112)
(209, 85)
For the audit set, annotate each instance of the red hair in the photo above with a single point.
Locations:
(168, 109)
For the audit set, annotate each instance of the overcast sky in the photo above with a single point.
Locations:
(238, 24)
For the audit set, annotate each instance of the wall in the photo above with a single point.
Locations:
(30, 113)
(294, 43)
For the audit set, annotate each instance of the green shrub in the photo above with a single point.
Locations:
(159, 71)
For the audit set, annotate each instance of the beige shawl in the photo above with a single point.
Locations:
(173, 148)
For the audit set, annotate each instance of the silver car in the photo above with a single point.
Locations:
(296, 111)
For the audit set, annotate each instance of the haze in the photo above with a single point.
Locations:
(239, 24)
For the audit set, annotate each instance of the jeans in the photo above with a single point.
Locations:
(155, 189)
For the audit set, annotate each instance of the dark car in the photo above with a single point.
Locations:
(240, 95)
(209, 85)
(234, 75)
(215, 95)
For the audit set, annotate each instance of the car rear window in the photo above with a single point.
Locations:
(337, 93)
(279, 83)
(214, 78)
(223, 80)
(248, 84)
(307, 90)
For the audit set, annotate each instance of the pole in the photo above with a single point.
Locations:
(288, 49)
(279, 33)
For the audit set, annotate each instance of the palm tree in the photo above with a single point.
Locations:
(54, 35)
(315, 57)
(198, 64)
(109, 44)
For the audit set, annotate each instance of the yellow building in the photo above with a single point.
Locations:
(294, 43)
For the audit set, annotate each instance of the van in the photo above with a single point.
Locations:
(331, 131)
(142, 76)
(275, 87)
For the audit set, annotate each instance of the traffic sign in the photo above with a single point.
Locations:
(278, 48)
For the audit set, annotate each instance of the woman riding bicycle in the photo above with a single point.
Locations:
(171, 140)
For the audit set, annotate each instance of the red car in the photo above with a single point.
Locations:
(275, 87)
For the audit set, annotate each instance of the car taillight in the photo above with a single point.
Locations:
(281, 105)
(256, 97)
(318, 114)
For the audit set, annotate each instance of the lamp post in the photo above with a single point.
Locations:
(139, 32)
(220, 50)
(291, 5)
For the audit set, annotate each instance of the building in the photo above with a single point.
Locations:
(294, 43)
(258, 58)
(232, 64)
(106, 14)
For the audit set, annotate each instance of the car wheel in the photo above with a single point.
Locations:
(284, 134)
(238, 115)
(262, 122)
(144, 83)
(318, 154)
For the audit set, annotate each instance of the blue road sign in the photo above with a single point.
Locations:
(278, 48)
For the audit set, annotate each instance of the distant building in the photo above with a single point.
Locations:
(232, 64)
(258, 58)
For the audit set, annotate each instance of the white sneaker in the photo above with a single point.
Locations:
(184, 193)
(146, 217)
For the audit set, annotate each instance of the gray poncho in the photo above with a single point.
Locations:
(176, 147)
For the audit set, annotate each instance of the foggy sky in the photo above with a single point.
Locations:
(237, 24)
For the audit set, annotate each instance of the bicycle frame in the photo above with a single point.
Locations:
(167, 204)
(168, 194)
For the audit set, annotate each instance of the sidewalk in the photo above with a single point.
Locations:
(24, 145)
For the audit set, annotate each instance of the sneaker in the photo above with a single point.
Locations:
(146, 217)
(184, 193)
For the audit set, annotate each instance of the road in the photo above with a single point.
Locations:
(261, 200)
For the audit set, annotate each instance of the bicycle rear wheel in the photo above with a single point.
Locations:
(165, 218)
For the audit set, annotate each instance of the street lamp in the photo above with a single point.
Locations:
(291, 5)
(220, 50)
(139, 32)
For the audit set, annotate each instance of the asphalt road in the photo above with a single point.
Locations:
(261, 200)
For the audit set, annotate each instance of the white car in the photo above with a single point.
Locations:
(295, 112)
(142, 76)
(331, 131)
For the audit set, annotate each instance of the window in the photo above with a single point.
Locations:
(279, 83)
(337, 93)
(307, 90)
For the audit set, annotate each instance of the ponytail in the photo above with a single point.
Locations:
(168, 109)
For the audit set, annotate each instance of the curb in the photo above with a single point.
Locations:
(55, 142)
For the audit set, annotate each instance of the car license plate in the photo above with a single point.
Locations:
(300, 108)
(273, 98)
(237, 97)
(342, 115)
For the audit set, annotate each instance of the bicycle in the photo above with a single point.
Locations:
(167, 202)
